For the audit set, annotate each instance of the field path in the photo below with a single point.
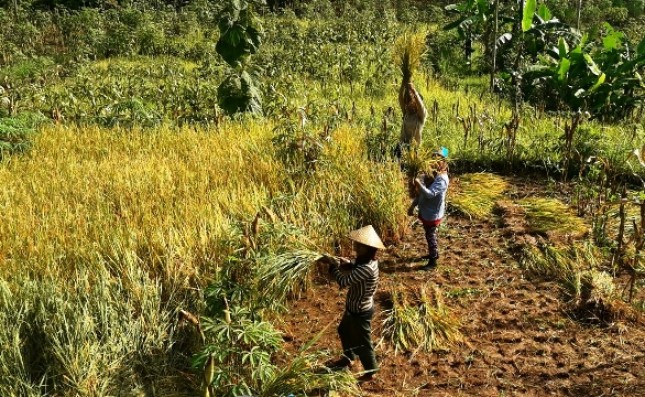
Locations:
(519, 341)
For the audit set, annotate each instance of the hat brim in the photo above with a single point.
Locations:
(367, 236)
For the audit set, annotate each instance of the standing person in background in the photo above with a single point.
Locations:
(414, 115)
(431, 200)
(355, 328)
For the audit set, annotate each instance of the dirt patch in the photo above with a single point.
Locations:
(518, 337)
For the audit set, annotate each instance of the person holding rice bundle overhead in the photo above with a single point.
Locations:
(414, 115)
(431, 200)
(409, 50)
(355, 327)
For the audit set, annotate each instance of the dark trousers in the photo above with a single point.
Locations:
(355, 335)
(431, 239)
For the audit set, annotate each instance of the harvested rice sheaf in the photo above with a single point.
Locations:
(551, 216)
(552, 262)
(408, 53)
(420, 321)
(593, 299)
(477, 194)
(289, 272)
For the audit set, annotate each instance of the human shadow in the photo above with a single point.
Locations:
(402, 265)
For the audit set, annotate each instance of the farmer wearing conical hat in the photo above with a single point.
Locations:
(431, 200)
(355, 328)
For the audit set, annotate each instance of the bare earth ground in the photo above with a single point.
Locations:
(519, 340)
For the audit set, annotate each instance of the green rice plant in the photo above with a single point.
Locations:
(476, 194)
(239, 357)
(16, 133)
(551, 216)
(94, 335)
(15, 376)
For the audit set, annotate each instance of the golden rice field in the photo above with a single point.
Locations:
(170, 196)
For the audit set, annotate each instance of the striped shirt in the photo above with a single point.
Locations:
(362, 282)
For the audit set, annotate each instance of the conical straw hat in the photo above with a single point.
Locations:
(367, 236)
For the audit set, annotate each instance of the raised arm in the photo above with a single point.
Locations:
(358, 274)
(420, 107)
(438, 187)
(402, 97)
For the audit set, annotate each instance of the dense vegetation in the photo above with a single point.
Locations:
(118, 119)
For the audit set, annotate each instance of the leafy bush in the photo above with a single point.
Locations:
(238, 93)
(16, 133)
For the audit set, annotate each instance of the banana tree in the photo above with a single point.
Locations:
(475, 19)
(624, 89)
(568, 77)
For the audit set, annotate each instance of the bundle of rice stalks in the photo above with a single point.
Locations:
(409, 50)
(548, 263)
(287, 274)
(417, 161)
(551, 217)
(560, 263)
(301, 377)
(441, 327)
(477, 194)
(401, 325)
(420, 322)
(592, 297)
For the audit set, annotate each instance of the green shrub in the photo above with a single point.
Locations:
(16, 133)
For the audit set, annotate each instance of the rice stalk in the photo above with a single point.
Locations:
(409, 50)
(477, 194)
(551, 216)
(553, 262)
(401, 325)
(592, 298)
(302, 376)
(440, 325)
(287, 274)
(416, 321)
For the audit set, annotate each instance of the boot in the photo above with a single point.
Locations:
(339, 364)
(432, 263)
